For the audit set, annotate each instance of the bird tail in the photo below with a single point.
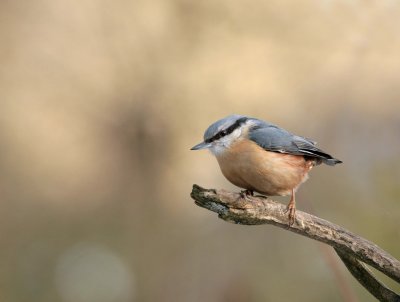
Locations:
(321, 156)
(331, 161)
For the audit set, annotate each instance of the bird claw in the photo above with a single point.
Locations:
(246, 193)
(291, 209)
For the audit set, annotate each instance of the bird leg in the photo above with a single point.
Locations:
(246, 193)
(291, 208)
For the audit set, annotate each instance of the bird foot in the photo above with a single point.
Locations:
(291, 209)
(246, 193)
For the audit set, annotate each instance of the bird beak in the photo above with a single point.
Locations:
(200, 146)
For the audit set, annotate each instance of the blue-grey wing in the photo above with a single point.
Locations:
(275, 139)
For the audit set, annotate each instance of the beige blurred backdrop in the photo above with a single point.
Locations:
(101, 102)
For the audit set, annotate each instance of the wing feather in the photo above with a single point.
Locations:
(273, 138)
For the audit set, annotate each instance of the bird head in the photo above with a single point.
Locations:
(220, 135)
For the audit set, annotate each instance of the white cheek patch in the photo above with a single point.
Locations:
(235, 134)
(217, 150)
(220, 146)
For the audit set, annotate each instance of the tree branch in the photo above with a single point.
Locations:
(363, 275)
(350, 247)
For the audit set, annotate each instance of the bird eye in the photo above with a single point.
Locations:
(223, 133)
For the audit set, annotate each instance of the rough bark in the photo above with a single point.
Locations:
(364, 275)
(351, 248)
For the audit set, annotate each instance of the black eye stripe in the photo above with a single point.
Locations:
(228, 130)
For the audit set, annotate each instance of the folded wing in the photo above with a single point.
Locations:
(273, 138)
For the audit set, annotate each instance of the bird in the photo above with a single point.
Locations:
(259, 156)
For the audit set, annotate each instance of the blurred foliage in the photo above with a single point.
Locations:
(102, 100)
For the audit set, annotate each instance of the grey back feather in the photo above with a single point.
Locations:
(273, 138)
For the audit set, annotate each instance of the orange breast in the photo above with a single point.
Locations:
(247, 165)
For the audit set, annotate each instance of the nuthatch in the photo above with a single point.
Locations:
(259, 156)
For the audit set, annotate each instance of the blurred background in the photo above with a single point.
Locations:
(101, 102)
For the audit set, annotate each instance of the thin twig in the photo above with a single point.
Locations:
(364, 275)
(333, 261)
